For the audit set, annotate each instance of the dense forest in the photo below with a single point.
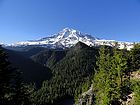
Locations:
(113, 81)
(72, 73)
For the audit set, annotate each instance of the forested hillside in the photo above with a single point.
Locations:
(69, 74)
(105, 71)
(112, 83)
(31, 72)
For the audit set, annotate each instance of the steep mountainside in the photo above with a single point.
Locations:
(31, 71)
(72, 72)
(49, 58)
(68, 38)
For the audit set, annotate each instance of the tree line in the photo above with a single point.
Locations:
(111, 81)
(109, 73)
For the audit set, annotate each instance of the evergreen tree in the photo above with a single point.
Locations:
(12, 89)
(101, 79)
(135, 57)
(120, 70)
(22, 94)
(5, 78)
(42, 96)
(111, 79)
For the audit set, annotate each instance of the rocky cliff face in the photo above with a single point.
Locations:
(87, 97)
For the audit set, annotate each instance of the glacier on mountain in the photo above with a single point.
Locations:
(69, 37)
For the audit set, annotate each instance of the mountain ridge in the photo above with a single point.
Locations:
(68, 37)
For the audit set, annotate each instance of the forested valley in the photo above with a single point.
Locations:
(61, 74)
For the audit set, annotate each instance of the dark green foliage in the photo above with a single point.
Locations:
(70, 74)
(120, 65)
(135, 67)
(5, 77)
(22, 94)
(71, 70)
(42, 95)
(135, 57)
(112, 80)
(49, 58)
(101, 80)
(135, 86)
(30, 71)
(74, 70)
(12, 89)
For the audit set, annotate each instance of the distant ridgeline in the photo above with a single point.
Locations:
(91, 75)
(68, 38)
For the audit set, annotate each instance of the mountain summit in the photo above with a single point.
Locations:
(69, 37)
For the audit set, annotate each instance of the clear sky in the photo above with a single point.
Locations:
(22, 20)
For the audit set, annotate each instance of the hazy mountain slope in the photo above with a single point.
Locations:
(31, 71)
(49, 57)
(31, 51)
(71, 72)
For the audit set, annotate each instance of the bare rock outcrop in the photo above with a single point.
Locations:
(87, 97)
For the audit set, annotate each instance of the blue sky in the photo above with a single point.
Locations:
(22, 20)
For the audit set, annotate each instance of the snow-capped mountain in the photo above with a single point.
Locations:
(69, 37)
